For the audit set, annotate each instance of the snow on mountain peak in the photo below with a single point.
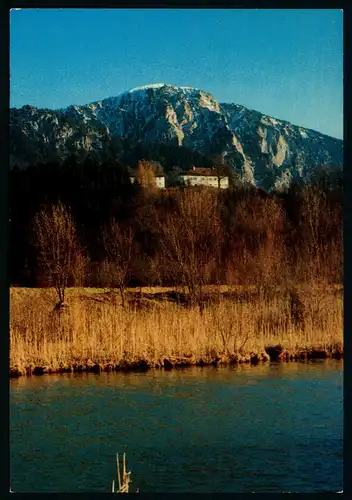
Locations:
(150, 86)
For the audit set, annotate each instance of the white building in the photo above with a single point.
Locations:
(159, 181)
(204, 177)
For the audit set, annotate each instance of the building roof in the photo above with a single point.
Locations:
(202, 171)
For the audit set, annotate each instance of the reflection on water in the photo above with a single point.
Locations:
(266, 428)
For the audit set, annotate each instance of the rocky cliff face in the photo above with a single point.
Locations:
(265, 151)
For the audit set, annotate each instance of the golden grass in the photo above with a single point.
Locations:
(96, 330)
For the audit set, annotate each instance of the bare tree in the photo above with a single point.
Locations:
(59, 252)
(223, 170)
(146, 173)
(190, 240)
(148, 270)
(119, 249)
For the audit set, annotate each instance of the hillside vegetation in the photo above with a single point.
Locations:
(237, 236)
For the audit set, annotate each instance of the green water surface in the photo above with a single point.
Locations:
(266, 428)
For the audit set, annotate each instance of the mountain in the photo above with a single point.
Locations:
(265, 151)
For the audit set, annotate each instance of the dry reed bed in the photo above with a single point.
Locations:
(95, 333)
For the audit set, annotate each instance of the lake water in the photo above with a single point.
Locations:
(266, 428)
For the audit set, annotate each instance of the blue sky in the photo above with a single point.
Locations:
(285, 63)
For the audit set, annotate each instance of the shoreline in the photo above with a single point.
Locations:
(271, 354)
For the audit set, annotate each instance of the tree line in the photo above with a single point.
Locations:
(87, 225)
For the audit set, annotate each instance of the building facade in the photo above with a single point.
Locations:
(204, 177)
